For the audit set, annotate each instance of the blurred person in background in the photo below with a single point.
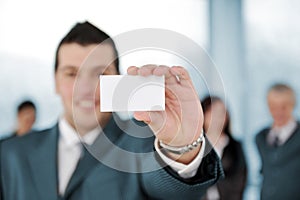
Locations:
(26, 116)
(279, 146)
(217, 129)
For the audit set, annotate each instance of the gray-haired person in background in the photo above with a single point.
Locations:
(279, 147)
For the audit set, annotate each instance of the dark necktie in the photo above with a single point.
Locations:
(275, 142)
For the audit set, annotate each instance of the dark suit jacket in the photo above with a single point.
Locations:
(280, 167)
(235, 169)
(12, 135)
(29, 170)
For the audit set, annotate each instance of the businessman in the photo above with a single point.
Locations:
(279, 147)
(26, 116)
(81, 157)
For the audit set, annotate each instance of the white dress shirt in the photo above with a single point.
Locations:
(281, 134)
(69, 151)
(70, 148)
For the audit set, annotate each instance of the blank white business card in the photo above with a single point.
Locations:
(131, 93)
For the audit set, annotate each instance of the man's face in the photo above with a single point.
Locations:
(215, 118)
(281, 105)
(26, 119)
(77, 83)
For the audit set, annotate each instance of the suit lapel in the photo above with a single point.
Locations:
(43, 164)
(90, 159)
(85, 164)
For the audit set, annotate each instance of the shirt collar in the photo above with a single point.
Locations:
(70, 136)
(284, 132)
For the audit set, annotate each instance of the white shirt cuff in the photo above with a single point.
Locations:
(183, 170)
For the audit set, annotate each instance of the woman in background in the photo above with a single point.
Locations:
(216, 127)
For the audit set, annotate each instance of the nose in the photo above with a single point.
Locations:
(85, 86)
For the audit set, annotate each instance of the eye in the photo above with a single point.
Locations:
(101, 72)
(106, 73)
(110, 70)
(71, 73)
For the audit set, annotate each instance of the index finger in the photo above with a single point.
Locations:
(132, 70)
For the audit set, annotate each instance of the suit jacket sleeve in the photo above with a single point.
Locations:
(167, 184)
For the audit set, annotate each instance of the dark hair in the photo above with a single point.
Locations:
(206, 105)
(86, 34)
(26, 104)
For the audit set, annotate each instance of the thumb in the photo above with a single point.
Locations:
(155, 119)
(142, 116)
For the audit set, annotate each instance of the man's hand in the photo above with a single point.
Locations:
(181, 122)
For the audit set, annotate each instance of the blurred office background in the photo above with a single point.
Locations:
(252, 43)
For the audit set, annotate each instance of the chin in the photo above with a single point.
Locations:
(281, 123)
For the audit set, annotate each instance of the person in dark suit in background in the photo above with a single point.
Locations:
(279, 148)
(217, 129)
(26, 116)
(84, 155)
